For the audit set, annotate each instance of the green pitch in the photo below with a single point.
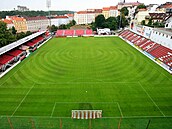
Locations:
(86, 73)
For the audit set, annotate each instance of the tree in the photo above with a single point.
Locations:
(143, 22)
(141, 6)
(62, 26)
(150, 22)
(6, 36)
(73, 22)
(53, 28)
(124, 11)
(3, 30)
(112, 23)
(14, 31)
(93, 26)
(122, 22)
(28, 33)
(20, 35)
(99, 21)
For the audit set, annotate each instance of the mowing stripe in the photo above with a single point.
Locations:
(53, 109)
(160, 72)
(15, 72)
(23, 99)
(151, 99)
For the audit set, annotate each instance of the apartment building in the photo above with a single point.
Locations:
(37, 23)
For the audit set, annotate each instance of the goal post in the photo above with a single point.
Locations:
(86, 114)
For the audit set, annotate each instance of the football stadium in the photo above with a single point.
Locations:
(67, 80)
(108, 68)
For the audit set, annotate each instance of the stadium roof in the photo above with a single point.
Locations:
(19, 42)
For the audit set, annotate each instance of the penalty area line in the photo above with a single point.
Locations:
(120, 109)
(23, 99)
(53, 110)
(151, 99)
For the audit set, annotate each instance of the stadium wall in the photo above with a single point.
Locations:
(160, 36)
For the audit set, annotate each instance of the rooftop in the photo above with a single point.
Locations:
(36, 18)
(106, 8)
(8, 21)
(130, 3)
(160, 16)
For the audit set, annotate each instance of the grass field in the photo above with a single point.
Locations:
(43, 89)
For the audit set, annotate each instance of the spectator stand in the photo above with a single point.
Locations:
(156, 52)
(14, 53)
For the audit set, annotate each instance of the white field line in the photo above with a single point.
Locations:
(85, 102)
(120, 109)
(152, 99)
(87, 82)
(23, 100)
(117, 117)
(53, 109)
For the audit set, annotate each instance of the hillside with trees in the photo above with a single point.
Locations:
(3, 14)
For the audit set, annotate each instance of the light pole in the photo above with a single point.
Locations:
(48, 3)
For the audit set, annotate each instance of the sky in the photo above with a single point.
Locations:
(73, 5)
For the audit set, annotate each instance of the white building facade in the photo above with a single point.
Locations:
(59, 20)
(84, 17)
(37, 23)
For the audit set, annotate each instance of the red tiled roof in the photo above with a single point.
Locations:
(15, 18)
(130, 3)
(113, 7)
(98, 10)
(85, 12)
(106, 8)
(8, 21)
(82, 12)
(36, 18)
(70, 15)
(61, 17)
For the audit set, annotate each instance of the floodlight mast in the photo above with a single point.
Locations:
(48, 3)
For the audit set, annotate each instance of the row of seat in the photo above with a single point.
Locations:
(80, 32)
(160, 52)
(9, 58)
